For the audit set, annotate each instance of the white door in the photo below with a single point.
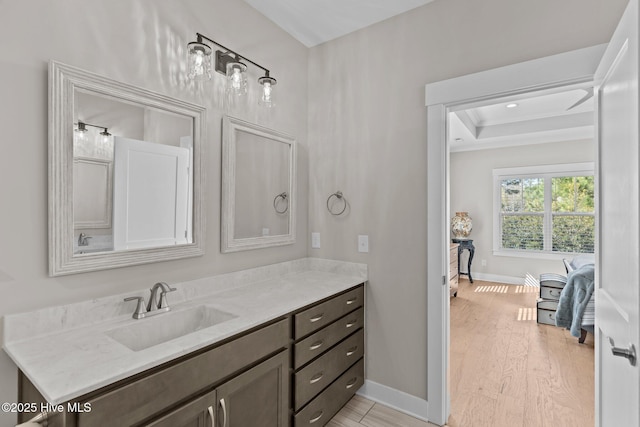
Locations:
(618, 272)
(150, 194)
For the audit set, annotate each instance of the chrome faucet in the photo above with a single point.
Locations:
(156, 304)
(83, 239)
(160, 303)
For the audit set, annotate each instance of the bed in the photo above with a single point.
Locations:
(567, 301)
(589, 315)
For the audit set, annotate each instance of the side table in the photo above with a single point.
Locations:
(468, 245)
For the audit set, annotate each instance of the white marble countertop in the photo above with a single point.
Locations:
(66, 355)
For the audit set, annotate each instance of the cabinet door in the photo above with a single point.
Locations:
(199, 412)
(258, 397)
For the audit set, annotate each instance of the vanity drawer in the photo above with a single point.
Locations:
(314, 318)
(311, 379)
(141, 399)
(547, 292)
(316, 344)
(321, 409)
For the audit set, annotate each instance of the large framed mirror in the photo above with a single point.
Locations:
(258, 186)
(125, 174)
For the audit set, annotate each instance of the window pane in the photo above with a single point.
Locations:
(572, 233)
(522, 232)
(572, 194)
(522, 195)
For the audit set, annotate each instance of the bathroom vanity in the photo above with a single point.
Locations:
(284, 349)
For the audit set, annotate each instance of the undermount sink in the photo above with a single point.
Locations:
(165, 327)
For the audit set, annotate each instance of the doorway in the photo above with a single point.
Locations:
(572, 70)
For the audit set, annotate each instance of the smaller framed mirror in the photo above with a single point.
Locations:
(258, 186)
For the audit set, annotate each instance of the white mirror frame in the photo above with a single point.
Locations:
(63, 81)
(230, 126)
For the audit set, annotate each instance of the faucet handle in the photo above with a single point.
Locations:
(140, 311)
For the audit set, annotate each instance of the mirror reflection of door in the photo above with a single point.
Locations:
(262, 176)
(159, 131)
(150, 193)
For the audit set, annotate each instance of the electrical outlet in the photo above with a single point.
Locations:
(484, 262)
(265, 231)
(315, 240)
(363, 243)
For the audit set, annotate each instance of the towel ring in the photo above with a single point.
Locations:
(285, 198)
(338, 195)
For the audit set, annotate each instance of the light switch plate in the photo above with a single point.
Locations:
(315, 240)
(363, 243)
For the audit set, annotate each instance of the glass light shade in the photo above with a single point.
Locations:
(236, 78)
(267, 99)
(199, 61)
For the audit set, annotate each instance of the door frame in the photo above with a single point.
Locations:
(568, 70)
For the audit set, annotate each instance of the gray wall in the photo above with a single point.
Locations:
(472, 191)
(367, 137)
(141, 42)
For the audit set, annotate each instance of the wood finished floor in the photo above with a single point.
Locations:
(506, 370)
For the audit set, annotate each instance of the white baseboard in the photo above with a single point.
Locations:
(511, 280)
(396, 399)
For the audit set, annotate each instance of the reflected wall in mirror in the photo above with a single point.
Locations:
(124, 174)
(259, 190)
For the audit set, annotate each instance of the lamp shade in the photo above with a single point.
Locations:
(267, 99)
(236, 78)
(199, 61)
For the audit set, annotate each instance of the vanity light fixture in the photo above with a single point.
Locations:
(228, 62)
(82, 128)
(105, 135)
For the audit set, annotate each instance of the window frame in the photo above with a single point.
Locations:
(546, 172)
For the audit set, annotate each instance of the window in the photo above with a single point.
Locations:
(544, 209)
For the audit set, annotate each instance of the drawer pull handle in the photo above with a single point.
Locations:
(317, 417)
(317, 377)
(351, 323)
(315, 319)
(352, 300)
(352, 382)
(211, 416)
(352, 350)
(316, 345)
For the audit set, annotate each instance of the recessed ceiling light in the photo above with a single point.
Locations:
(512, 105)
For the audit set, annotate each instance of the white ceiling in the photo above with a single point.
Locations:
(316, 21)
(537, 118)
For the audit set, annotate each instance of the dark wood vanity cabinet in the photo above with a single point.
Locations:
(257, 398)
(300, 369)
(328, 357)
(252, 369)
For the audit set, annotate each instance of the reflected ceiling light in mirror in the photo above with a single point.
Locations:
(80, 133)
(199, 60)
(228, 62)
(105, 136)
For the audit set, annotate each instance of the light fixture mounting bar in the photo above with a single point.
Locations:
(239, 56)
(94, 126)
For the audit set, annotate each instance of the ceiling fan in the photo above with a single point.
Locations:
(584, 99)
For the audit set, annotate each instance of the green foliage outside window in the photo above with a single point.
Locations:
(572, 194)
(522, 232)
(570, 233)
